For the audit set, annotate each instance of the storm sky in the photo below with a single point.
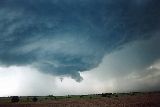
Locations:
(66, 47)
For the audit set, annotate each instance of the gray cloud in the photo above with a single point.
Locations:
(68, 37)
(136, 67)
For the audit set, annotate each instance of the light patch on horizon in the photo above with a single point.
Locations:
(8, 82)
(24, 81)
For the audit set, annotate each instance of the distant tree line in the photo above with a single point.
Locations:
(15, 99)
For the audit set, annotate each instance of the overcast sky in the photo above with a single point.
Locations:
(63, 47)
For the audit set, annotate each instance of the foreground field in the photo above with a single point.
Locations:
(113, 100)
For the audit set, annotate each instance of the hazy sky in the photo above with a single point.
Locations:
(94, 45)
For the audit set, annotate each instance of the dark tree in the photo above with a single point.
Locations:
(81, 96)
(27, 98)
(34, 99)
(55, 97)
(106, 95)
(15, 99)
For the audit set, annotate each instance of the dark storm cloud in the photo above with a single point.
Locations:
(64, 37)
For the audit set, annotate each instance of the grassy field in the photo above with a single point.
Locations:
(135, 99)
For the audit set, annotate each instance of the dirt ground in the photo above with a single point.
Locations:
(141, 100)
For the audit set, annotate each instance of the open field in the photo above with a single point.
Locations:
(99, 100)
